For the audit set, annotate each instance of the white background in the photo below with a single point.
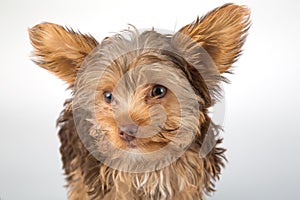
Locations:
(262, 114)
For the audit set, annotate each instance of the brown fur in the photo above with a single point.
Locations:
(222, 33)
(68, 54)
(60, 50)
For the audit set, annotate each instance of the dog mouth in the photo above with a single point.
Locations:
(145, 142)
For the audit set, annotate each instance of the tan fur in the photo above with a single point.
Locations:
(60, 50)
(221, 33)
(77, 188)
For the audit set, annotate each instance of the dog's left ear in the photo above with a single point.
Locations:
(60, 50)
(222, 33)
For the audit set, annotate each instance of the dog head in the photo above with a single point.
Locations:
(144, 93)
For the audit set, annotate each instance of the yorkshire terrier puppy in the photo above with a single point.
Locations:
(137, 125)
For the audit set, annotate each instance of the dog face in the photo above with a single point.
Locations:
(136, 98)
(135, 105)
(150, 91)
(140, 96)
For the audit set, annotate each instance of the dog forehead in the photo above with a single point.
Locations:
(139, 56)
(130, 61)
(143, 75)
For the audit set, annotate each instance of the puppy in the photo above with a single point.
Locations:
(137, 125)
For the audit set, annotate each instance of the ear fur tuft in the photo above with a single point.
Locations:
(222, 33)
(60, 50)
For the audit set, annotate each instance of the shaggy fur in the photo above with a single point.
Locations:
(89, 126)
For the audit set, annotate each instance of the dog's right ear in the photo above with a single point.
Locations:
(60, 50)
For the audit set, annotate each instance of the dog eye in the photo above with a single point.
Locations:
(158, 91)
(107, 96)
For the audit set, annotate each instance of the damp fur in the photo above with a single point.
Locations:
(79, 60)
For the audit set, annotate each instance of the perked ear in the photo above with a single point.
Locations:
(222, 33)
(60, 50)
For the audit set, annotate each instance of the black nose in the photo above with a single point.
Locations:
(130, 129)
